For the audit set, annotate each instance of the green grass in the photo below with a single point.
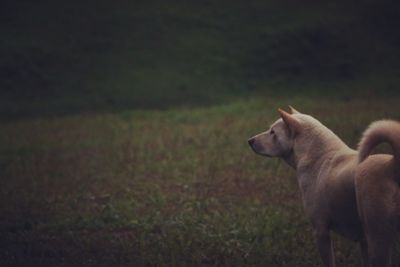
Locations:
(163, 188)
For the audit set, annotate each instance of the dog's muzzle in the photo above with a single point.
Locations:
(253, 145)
(255, 148)
(251, 141)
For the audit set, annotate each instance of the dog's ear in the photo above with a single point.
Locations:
(292, 123)
(293, 111)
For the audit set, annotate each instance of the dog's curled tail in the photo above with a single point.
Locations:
(380, 132)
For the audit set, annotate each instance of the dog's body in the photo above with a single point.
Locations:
(378, 191)
(326, 170)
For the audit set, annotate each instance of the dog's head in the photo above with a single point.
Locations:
(278, 140)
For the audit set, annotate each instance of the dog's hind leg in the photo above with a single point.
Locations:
(377, 215)
(380, 250)
(325, 247)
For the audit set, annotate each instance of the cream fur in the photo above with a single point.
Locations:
(379, 132)
(377, 190)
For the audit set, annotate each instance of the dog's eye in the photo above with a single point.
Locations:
(272, 131)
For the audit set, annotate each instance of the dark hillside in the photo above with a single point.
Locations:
(63, 57)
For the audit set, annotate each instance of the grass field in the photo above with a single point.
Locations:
(163, 188)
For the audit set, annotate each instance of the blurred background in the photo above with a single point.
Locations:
(71, 56)
(123, 125)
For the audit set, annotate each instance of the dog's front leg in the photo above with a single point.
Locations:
(325, 247)
(364, 252)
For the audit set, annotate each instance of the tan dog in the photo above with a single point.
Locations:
(378, 192)
(326, 169)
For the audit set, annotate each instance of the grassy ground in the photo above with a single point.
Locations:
(163, 188)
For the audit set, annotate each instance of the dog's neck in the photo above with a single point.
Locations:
(321, 144)
(290, 159)
(311, 150)
(310, 154)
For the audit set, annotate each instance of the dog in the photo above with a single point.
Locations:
(377, 190)
(328, 172)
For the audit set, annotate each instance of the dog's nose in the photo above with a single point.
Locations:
(250, 141)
